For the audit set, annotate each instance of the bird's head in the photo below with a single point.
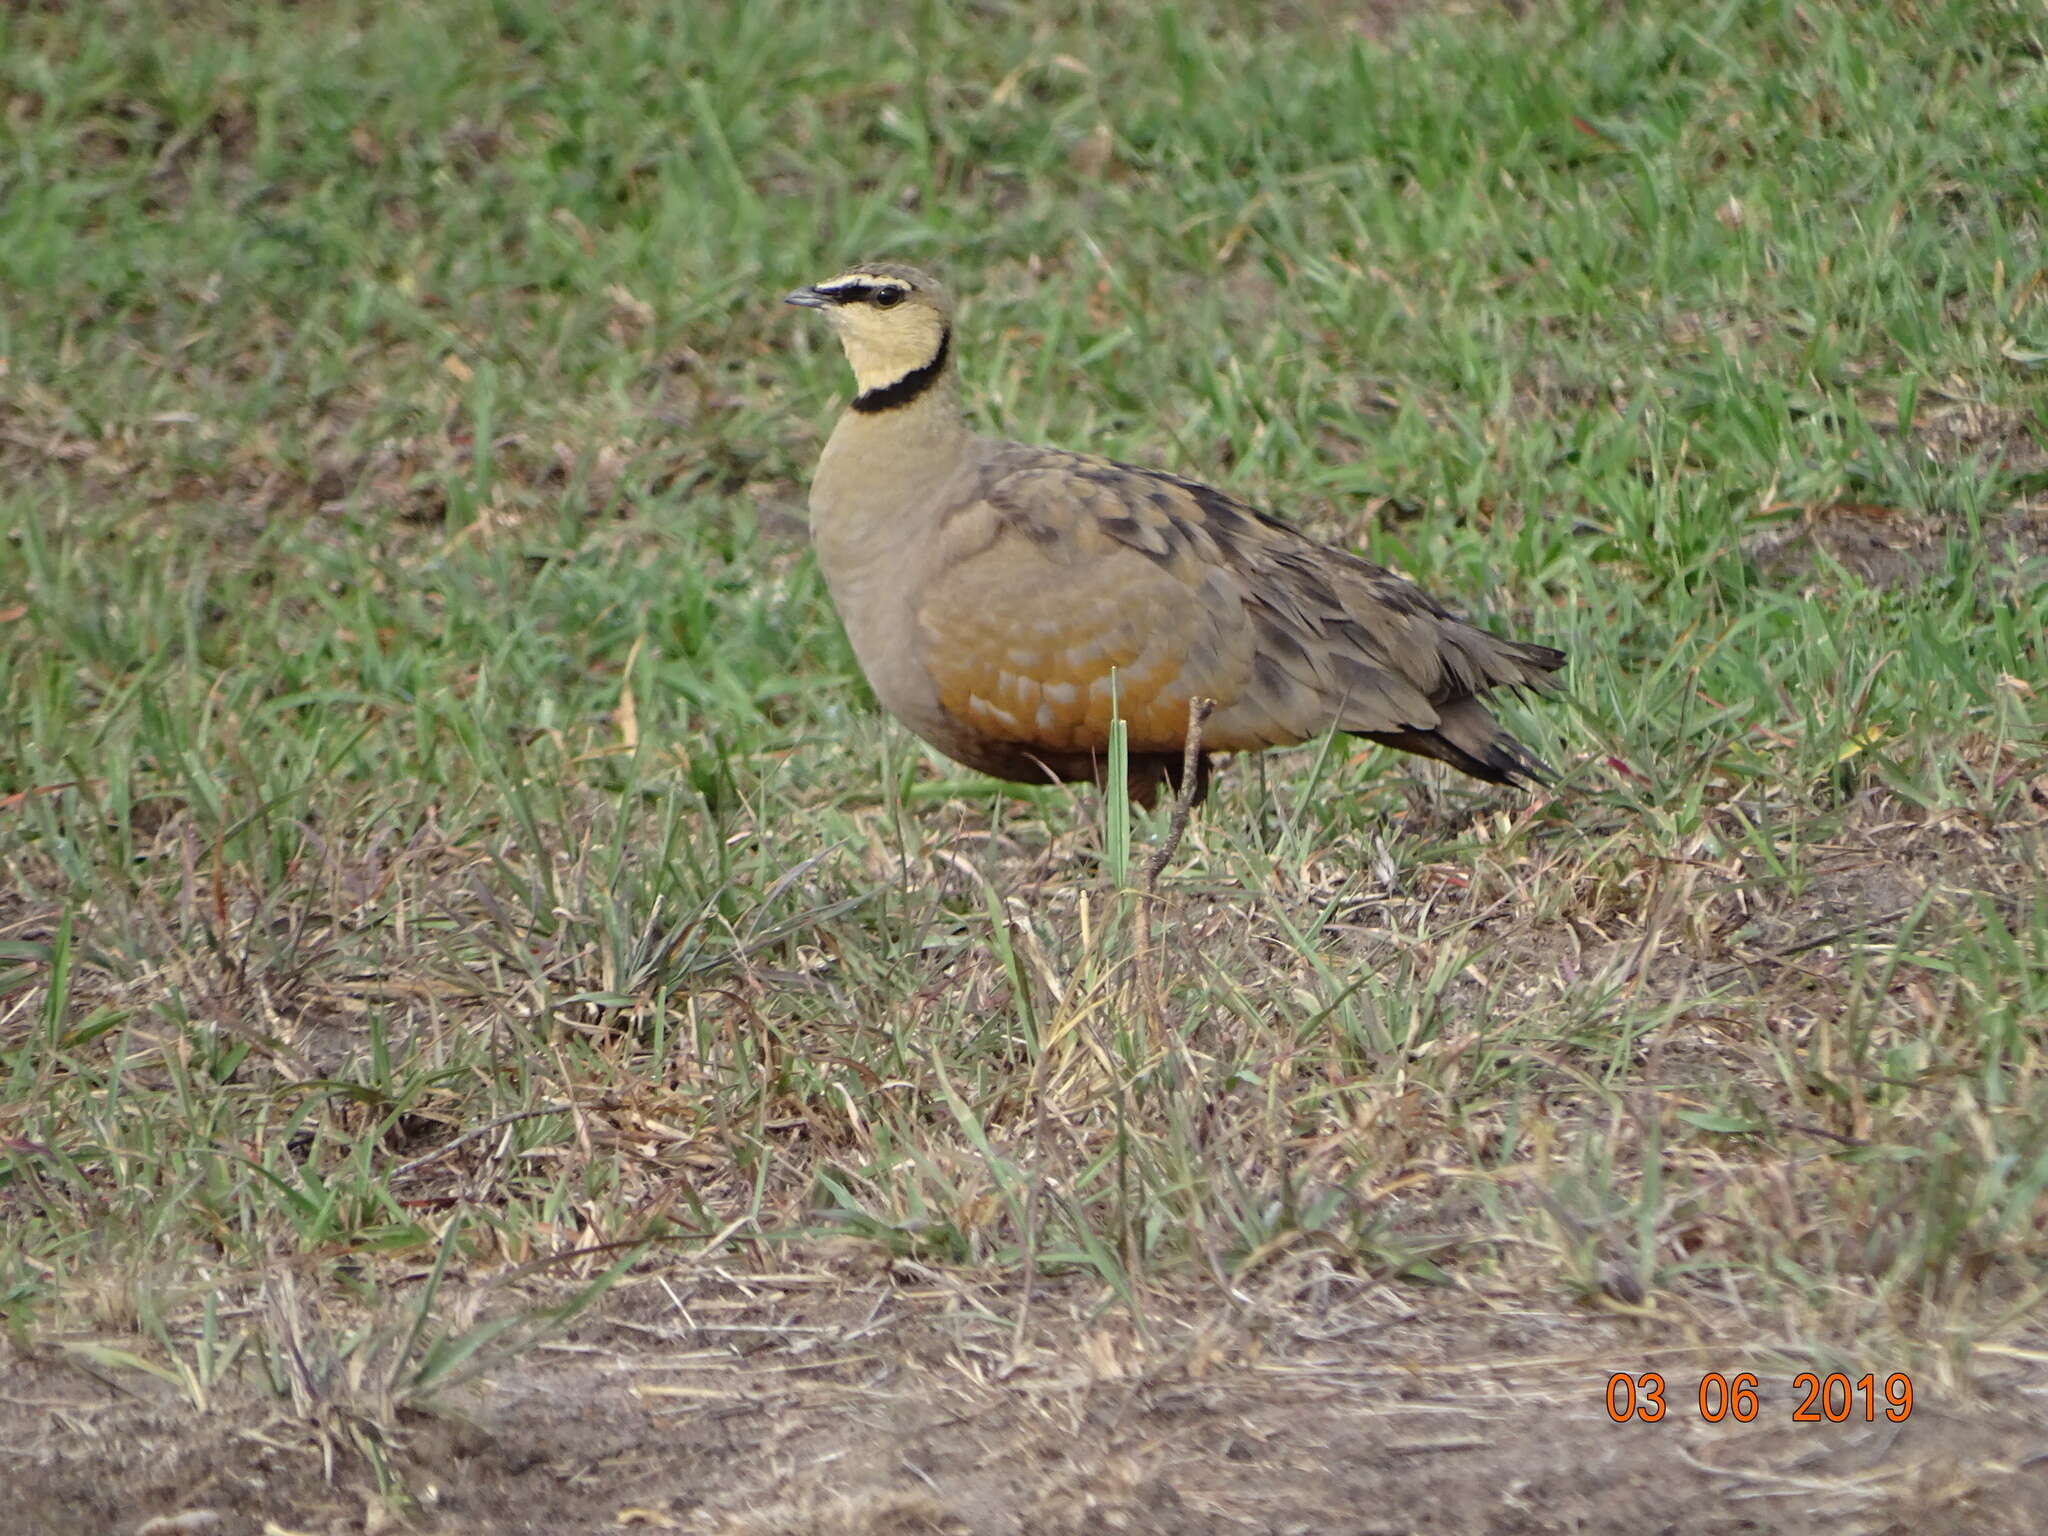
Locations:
(895, 322)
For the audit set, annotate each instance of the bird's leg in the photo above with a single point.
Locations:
(1193, 781)
(1150, 982)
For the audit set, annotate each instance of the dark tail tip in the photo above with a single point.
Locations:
(1468, 738)
(1503, 760)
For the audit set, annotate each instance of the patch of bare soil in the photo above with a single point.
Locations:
(894, 1401)
(1886, 547)
(1900, 547)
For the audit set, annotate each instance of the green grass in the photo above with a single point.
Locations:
(421, 712)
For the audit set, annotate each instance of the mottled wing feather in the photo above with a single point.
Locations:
(1387, 654)
(1069, 568)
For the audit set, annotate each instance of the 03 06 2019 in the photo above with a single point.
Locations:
(1810, 1397)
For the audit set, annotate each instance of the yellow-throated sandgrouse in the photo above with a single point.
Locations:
(991, 590)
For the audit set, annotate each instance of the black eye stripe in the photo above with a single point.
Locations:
(853, 291)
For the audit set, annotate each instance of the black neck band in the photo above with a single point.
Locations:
(886, 397)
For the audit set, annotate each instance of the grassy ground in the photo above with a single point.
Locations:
(449, 864)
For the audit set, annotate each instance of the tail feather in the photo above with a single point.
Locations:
(1465, 734)
(1468, 738)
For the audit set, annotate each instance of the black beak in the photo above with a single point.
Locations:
(807, 298)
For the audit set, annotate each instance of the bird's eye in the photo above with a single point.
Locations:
(888, 298)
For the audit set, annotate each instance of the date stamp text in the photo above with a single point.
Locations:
(1835, 1398)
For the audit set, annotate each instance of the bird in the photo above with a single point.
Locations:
(1007, 602)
